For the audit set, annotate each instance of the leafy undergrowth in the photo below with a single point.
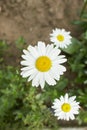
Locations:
(25, 107)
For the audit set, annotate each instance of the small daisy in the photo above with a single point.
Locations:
(66, 107)
(60, 38)
(42, 64)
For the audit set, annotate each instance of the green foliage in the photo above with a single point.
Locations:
(82, 97)
(20, 42)
(3, 47)
(73, 47)
(82, 117)
(52, 92)
(77, 59)
(82, 22)
(81, 94)
(22, 104)
(78, 50)
(78, 63)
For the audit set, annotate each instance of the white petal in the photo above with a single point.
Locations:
(54, 74)
(25, 52)
(59, 113)
(25, 68)
(32, 75)
(28, 73)
(72, 117)
(62, 99)
(71, 99)
(49, 49)
(54, 53)
(66, 97)
(35, 81)
(58, 69)
(67, 117)
(61, 69)
(25, 63)
(33, 51)
(42, 80)
(49, 79)
(41, 48)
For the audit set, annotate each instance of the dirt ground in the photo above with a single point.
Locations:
(35, 19)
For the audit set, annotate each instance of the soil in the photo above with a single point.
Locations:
(34, 20)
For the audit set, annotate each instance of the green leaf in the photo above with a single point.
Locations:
(77, 22)
(73, 47)
(20, 42)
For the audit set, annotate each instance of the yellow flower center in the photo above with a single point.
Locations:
(66, 107)
(60, 38)
(43, 63)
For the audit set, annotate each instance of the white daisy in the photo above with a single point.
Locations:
(42, 64)
(60, 38)
(66, 107)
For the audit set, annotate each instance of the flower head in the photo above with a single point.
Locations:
(60, 38)
(42, 64)
(66, 107)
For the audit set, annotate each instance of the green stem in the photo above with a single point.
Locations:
(83, 9)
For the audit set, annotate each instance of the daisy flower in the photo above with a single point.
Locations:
(60, 38)
(66, 107)
(42, 64)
